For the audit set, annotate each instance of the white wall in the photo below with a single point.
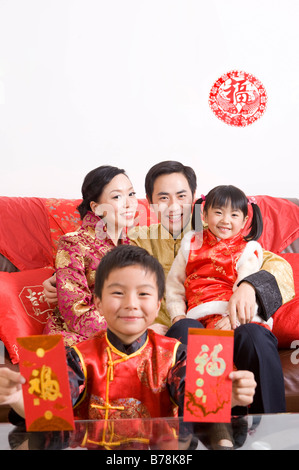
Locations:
(126, 82)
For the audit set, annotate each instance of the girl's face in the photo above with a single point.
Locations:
(117, 204)
(224, 222)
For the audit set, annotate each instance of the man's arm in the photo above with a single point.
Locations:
(270, 287)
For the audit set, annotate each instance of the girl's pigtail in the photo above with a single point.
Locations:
(256, 226)
(196, 220)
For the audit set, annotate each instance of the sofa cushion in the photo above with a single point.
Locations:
(63, 218)
(281, 222)
(24, 232)
(286, 319)
(23, 308)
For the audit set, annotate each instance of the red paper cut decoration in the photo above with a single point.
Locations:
(238, 98)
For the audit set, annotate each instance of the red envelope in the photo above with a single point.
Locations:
(47, 398)
(208, 389)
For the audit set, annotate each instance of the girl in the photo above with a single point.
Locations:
(108, 207)
(211, 262)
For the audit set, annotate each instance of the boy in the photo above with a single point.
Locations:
(128, 371)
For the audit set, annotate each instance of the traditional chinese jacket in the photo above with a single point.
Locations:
(143, 380)
(78, 256)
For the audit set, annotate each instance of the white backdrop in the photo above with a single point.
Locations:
(126, 82)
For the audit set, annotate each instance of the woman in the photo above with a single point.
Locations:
(109, 205)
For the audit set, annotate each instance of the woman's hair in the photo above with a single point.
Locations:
(128, 255)
(224, 195)
(94, 184)
(166, 168)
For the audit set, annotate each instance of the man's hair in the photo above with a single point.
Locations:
(166, 168)
(128, 255)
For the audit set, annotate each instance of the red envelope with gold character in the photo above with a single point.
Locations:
(47, 398)
(208, 389)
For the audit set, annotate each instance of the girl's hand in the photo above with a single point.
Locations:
(223, 324)
(179, 317)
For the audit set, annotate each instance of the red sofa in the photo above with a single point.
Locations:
(29, 232)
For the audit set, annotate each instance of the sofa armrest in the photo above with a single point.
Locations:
(293, 247)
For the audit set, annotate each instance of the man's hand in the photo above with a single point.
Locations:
(243, 389)
(241, 305)
(50, 290)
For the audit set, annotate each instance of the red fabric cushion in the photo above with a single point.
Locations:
(63, 218)
(24, 232)
(281, 222)
(286, 319)
(23, 309)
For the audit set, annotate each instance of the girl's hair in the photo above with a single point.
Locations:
(221, 196)
(93, 185)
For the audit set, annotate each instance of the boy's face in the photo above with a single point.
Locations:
(172, 201)
(129, 302)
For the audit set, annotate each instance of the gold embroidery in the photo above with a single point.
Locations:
(63, 259)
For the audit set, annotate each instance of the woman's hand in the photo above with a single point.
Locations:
(50, 290)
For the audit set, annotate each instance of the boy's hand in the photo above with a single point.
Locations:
(50, 290)
(243, 387)
(10, 387)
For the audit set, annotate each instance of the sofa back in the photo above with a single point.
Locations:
(31, 227)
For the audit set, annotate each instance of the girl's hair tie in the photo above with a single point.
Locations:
(252, 200)
(203, 197)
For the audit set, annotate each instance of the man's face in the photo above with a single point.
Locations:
(129, 302)
(172, 202)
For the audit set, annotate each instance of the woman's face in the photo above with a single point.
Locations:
(117, 204)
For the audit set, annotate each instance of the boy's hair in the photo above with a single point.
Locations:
(128, 255)
(166, 168)
(221, 196)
